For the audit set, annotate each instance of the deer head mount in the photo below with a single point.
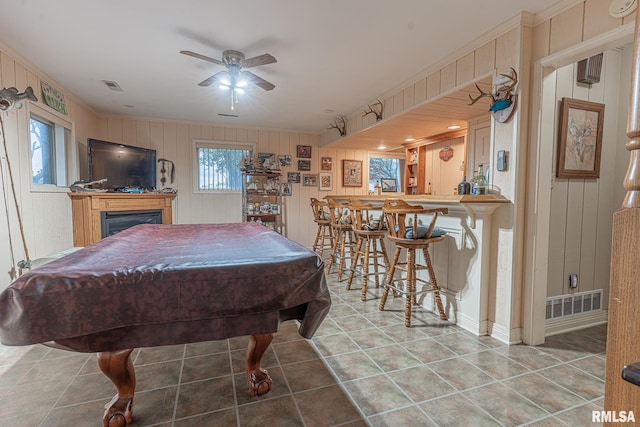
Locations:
(339, 123)
(375, 108)
(503, 100)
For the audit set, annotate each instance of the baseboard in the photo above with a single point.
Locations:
(507, 336)
(572, 323)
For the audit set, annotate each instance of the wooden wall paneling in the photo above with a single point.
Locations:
(420, 92)
(484, 59)
(433, 84)
(129, 132)
(559, 197)
(599, 207)
(566, 28)
(541, 36)
(448, 77)
(408, 97)
(398, 102)
(143, 133)
(114, 129)
(465, 69)
(597, 19)
(573, 229)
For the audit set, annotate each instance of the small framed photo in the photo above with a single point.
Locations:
(293, 177)
(352, 173)
(284, 160)
(309, 180)
(304, 165)
(285, 189)
(326, 181)
(266, 156)
(389, 185)
(303, 151)
(580, 139)
(325, 163)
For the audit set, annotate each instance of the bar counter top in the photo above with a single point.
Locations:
(468, 205)
(443, 199)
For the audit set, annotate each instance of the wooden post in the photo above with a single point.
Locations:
(623, 335)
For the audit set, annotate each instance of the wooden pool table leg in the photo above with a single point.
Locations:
(118, 367)
(258, 379)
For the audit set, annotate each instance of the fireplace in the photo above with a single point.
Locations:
(116, 221)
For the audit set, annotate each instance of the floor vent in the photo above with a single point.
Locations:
(572, 304)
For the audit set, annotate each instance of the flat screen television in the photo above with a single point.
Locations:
(124, 166)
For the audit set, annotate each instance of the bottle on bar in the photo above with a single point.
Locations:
(464, 187)
(478, 187)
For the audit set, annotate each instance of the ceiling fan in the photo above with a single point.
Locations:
(235, 74)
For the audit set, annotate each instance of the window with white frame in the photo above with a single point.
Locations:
(217, 165)
(51, 147)
(383, 169)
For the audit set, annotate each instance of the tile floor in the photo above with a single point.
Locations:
(363, 368)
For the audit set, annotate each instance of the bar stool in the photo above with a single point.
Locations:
(370, 232)
(412, 235)
(322, 217)
(342, 235)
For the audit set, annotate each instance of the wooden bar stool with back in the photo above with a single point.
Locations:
(324, 235)
(369, 228)
(342, 236)
(407, 232)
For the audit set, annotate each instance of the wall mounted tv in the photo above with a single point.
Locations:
(124, 166)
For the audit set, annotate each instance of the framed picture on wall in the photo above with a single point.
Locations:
(325, 163)
(352, 173)
(326, 181)
(579, 139)
(303, 151)
(293, 177)
(304, 165)
(309, 180)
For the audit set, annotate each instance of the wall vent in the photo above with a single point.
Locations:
(589, 69)
(573, 304)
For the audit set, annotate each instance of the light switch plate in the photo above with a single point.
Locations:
(501, 163)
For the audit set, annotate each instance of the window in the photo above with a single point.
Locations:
(51, 143)
(217, 165)
(385, 166)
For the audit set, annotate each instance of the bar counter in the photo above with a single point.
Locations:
(466, 262)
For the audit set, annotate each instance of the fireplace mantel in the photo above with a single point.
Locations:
(87, 206)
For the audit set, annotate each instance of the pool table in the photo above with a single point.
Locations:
(164, 284)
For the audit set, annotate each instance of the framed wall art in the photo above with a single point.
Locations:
(303, 151)
(325, 163)
(326, 181)
(293, 177)
(352, 173)
(309, 180)
(284, 159)
(304, 165)
(579, 139)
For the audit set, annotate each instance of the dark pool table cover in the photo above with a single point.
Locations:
(160, 284)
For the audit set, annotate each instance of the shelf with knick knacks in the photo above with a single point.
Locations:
(262, 199)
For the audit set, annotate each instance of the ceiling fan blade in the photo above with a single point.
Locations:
(259, 81)
(258, 60)
(204, 58)
(216, 76)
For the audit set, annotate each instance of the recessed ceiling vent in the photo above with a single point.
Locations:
(589, 69)
(112, 85)
(227, 115)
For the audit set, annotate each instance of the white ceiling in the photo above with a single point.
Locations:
(334, 56)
